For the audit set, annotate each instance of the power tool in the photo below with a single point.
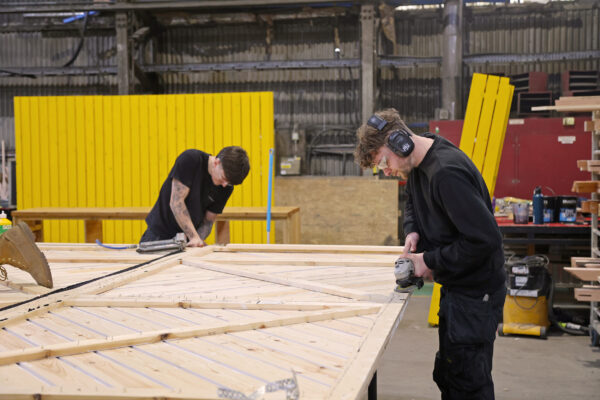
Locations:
(177, 243)
(404, 271)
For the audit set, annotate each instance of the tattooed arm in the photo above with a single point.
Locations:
(178, 194)
(207, 224)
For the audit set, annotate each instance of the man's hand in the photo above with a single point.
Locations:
(410, 244)
(421, 268)
(196, 242)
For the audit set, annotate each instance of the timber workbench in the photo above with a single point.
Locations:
(93, 217)
(206, 323)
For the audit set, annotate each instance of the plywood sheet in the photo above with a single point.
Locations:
(210, 322)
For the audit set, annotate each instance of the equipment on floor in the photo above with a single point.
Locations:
(18, 248)
(177, 243)
(404, 271)
(526, 306)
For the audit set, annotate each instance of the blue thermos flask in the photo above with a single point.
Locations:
(538, 206)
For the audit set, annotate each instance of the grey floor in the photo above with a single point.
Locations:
(561, 367)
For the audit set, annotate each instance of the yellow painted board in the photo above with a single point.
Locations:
(485, 120)
(111, 151)
(472, 114)
(497, 134)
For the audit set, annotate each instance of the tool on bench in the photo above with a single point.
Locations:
(404, 271)
(177, 243)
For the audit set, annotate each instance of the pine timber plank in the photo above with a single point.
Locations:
(267, 354)
(588, 293)
(358, 374)
(589, 206)
(577, 100)
(94, 301)
(9, 374)
(307, 248)
(585, 274)
(268, 370)
(582, 261)
(62, 374)
(591, 126)
(585, 187)
(329, 289)
(324, 358)
(184, 368)
(583, 107)
(75, 393)
(34, 353)
(302, 261)
(30, 288)
(53, 300)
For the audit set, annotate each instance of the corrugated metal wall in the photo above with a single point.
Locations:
(496, 38)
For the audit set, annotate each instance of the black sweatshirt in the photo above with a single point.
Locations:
(449, 207)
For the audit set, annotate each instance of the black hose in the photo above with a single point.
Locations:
(80, 44)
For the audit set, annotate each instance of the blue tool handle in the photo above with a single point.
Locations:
(270, 194)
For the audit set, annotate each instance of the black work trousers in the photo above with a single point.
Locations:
(467, 330)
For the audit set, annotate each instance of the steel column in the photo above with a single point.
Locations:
(123, 61)
(452, 58)
(367, 58)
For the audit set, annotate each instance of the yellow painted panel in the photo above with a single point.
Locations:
(485, 120)
(469, 132)
(113, 151)
(497, 134)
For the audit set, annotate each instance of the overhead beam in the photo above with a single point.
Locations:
(155, 5)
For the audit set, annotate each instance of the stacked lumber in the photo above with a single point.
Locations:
(200, 324)
(586, 269)
(585, 187)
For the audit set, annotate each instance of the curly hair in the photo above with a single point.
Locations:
(370, 139)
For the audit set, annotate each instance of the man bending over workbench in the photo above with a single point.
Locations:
(194, 193)
(451, 234)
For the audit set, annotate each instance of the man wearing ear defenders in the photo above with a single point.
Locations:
(452, 237)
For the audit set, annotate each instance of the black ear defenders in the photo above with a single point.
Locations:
(398, 141)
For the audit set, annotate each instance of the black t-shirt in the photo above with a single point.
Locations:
(191, 169)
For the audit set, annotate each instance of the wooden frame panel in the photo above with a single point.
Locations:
(190, 324)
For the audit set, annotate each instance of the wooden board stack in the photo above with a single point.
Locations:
(216, 322)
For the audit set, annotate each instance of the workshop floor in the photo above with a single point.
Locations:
(561, 367)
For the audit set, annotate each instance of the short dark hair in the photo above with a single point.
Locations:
(370, 139)
(235, 164)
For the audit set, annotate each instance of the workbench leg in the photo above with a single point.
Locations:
(37, 227)
(222, 235)
(294, 226)
(93, 230)
(372, 391)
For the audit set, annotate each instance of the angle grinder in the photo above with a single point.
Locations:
(404, 271)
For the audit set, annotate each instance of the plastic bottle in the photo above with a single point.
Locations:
(538, 206)
(5, 223)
